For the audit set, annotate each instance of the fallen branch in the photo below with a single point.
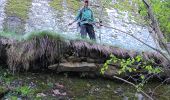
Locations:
(121, 79)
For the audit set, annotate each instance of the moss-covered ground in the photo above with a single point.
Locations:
(73, 5)
(65, 86)
(18, 8)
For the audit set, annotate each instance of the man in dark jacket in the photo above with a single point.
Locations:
(86, 21)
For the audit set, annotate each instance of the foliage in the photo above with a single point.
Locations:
(18, 8)
(161, 9)
(24, 90)
(132, 66)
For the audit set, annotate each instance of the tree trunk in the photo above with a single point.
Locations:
(158, 34)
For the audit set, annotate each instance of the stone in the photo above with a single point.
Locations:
(73, 59)
(41, 95)
(77, 67)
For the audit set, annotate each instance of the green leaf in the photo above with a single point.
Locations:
(142, 77)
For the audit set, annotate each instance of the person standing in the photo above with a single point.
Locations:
(85, 21)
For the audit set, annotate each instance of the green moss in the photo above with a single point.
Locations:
(18, 8)
(73, 5)
(56, 4)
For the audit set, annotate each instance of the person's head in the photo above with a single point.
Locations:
(86, 3)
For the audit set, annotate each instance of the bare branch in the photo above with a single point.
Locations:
(121, 79)
(157, 50)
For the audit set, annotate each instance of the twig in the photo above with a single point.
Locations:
(159, 86)
(157, 50)
(133, 86)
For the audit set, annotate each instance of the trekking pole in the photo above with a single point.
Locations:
(100, 21)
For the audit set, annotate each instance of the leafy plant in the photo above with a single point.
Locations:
(134, 66)
(24, 90)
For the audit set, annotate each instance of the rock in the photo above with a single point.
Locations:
(139, 96)
(119, 91)
(14, 24)
(57, 92)
(41, 95)
(108, 86)
(59, 85)
(73, 59)
(2, 13)
(78, 66)
(53, 67)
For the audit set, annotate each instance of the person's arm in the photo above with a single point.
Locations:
(77, 17)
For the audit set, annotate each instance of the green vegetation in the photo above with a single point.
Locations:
(24, 90)
(137, 69)
(53, 35)
(56, 4)
(73, 5)
(161, 9)
(31, 84)
(50, 34)
(18, 8)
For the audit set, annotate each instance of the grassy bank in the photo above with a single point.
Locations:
(18, 8)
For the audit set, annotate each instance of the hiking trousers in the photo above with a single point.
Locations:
(87, 28)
